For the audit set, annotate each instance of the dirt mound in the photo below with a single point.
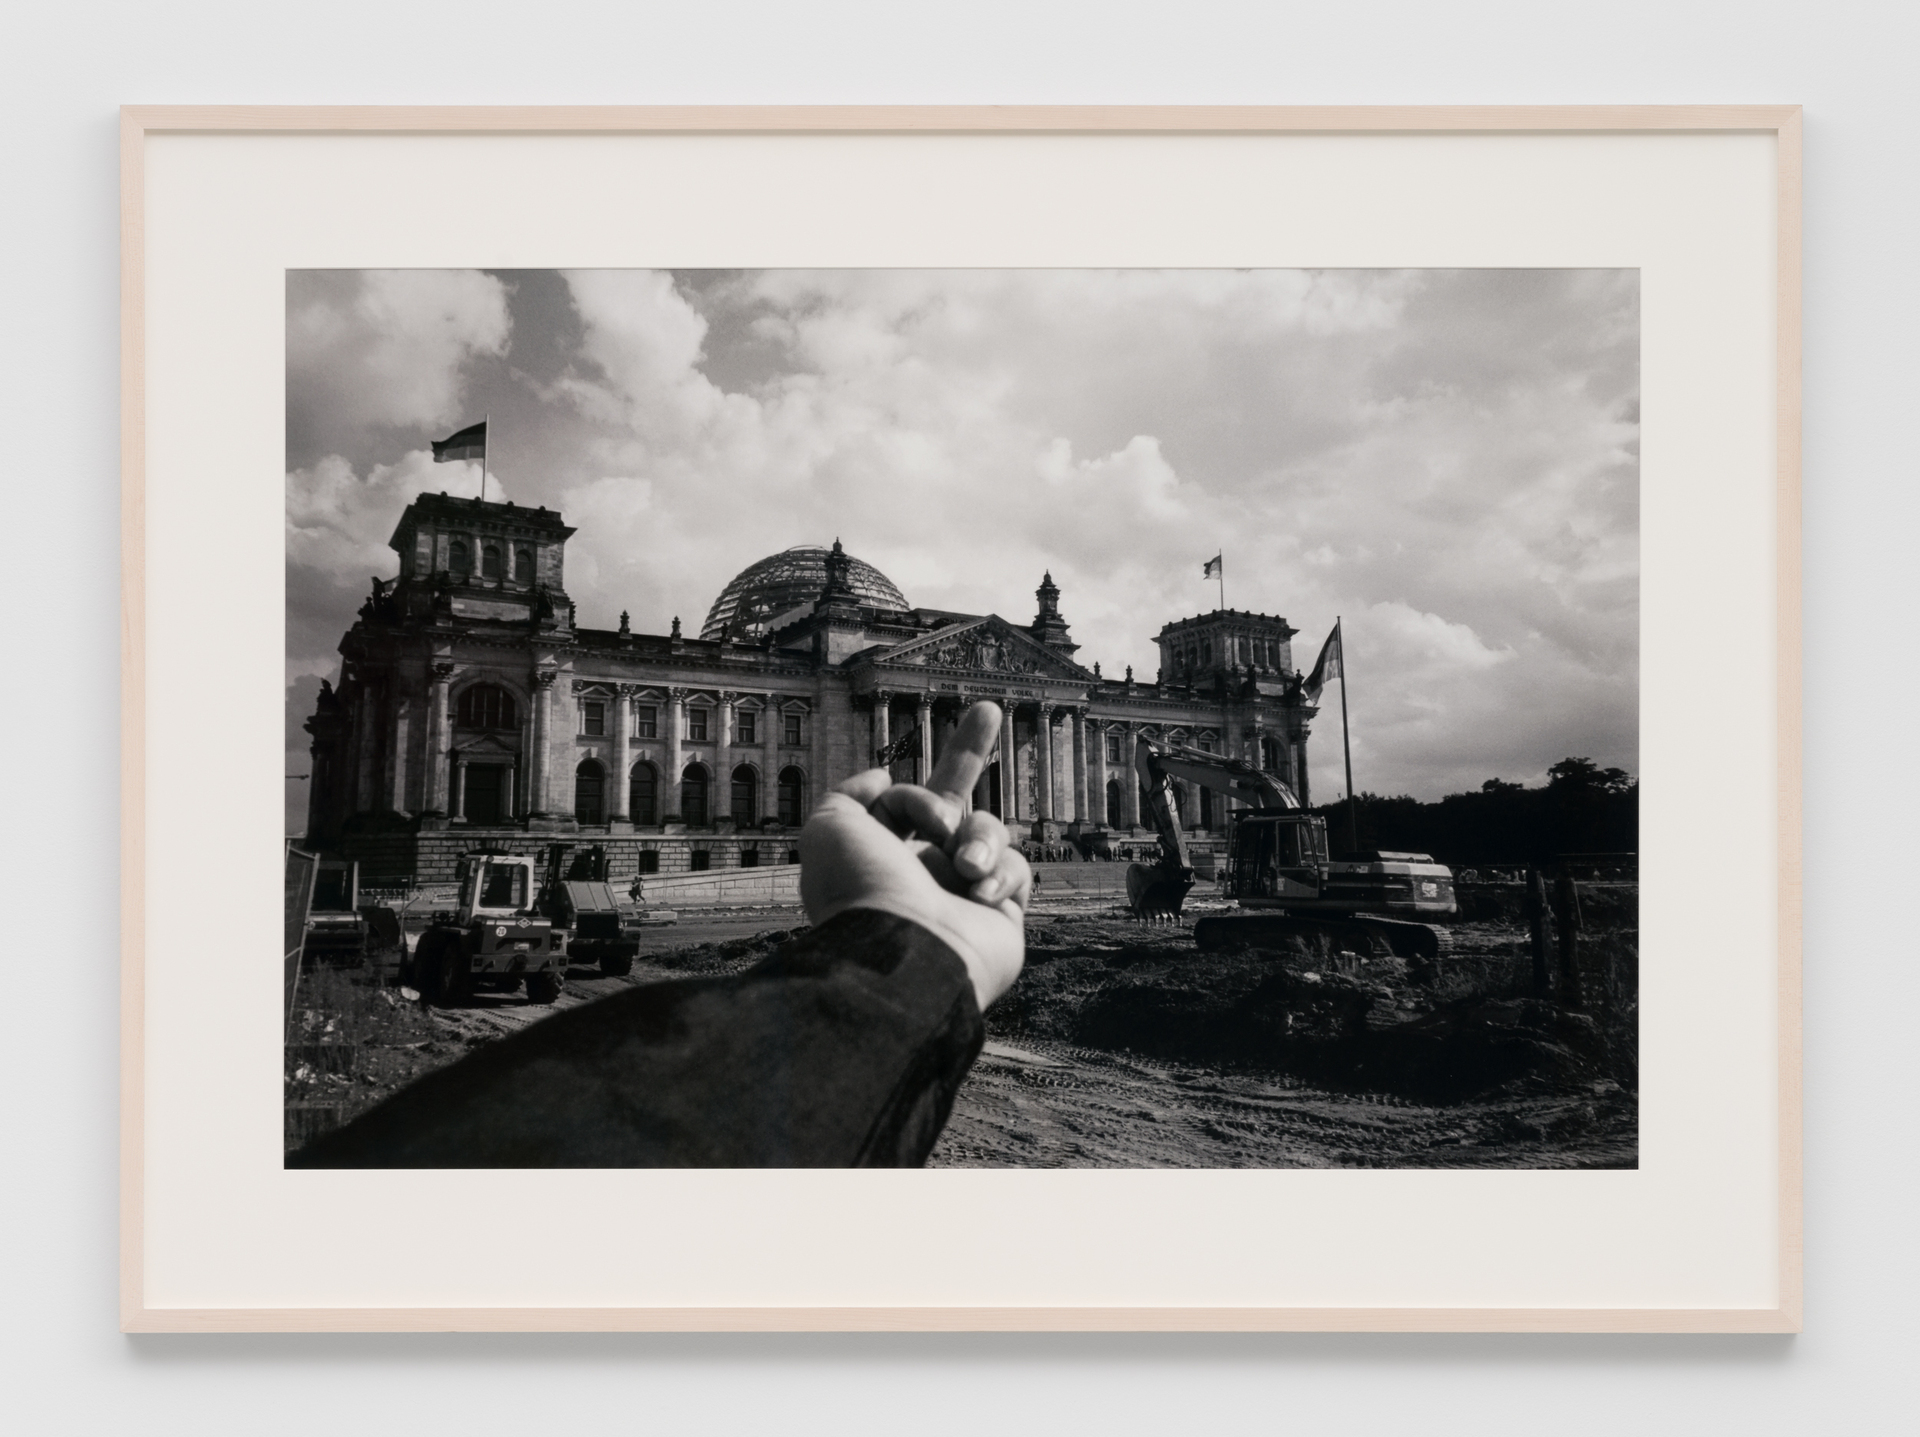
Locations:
(1275, 1018)
(1360, 1025)
(1467, 1049)
(1602, 905)
(729, 957)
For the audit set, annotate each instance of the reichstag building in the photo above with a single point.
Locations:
(472, 710)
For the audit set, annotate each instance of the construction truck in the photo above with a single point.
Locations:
(589, 920)
(341, 930)
(1278, 869)
(495, 940)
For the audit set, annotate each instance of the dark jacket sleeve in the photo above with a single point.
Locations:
(844, 1049)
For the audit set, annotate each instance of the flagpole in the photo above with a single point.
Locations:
(486, 444)
(1346, 745)
(1221, 575)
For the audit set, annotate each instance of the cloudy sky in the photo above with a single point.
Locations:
(1447, 459)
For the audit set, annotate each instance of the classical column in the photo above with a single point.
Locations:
(510, 799)
(882, 723)
(523, 770)
(622, 752)
(770, 758)
(363, 709)
(459, 784)
(397, 753)
(723, 759)
(923, 764)
(1082, 811)
(1097, 773)
(1043, 753)
(676, 753)
(319, 775)
(1007, 786)
(542, 797)
(436, 786)
(1130, 786)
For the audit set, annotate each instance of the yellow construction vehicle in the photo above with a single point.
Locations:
(1279, 871)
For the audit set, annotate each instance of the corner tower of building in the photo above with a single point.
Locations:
(1227, 643)
(500, 551)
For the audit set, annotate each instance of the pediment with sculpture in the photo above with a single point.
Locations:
(988, 645)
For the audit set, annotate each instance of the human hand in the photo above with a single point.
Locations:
(918, 854)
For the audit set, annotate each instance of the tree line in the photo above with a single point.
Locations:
(1582, 808)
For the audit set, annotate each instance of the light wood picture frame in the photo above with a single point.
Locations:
(166, 1150)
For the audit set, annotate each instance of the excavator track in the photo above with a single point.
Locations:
(1360, 933)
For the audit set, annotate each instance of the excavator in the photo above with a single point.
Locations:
(1278, 869)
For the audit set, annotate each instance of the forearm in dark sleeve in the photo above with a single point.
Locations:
(842, 1050)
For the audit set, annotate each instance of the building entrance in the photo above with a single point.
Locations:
(486, 794)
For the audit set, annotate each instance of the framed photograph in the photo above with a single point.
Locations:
(1036, 481)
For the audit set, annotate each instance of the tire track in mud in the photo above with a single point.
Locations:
(1053, 1105)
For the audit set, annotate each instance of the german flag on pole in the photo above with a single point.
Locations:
(469, 443)
(1330, 665)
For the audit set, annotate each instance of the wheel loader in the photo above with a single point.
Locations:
(495, 940)
(1279, 871)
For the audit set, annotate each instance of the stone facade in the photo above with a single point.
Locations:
(472, 710)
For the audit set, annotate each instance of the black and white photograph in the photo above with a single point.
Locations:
(1004, 718)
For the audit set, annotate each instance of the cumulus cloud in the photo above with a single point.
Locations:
(338, 523)
(374, 349)
(1448, 459)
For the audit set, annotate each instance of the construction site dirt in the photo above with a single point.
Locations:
(1122, 1046)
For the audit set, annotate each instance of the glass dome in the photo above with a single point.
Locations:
(790, 580)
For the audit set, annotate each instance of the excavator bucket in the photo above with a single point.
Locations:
(1154, 892)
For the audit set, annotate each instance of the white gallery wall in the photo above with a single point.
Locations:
(64, 1367)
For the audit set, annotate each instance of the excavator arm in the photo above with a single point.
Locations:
(1225, 775)
(1159, 889)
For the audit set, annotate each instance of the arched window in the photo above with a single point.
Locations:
(1206, 653)
(589, 793)
(643, 793)
(457, 556)
(490, 561)
(486, 707)
(1116, 805)
(742, 805)
(793, 797)
(693, 795)
(523, 565)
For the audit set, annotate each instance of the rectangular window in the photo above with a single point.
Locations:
(593, 718)
(749, 858)
(745, 723)
(1113, 748)
(505, 887)
(646, 722)
(649, 861)
(699, 860)
(697, 725)
(793, 728)
(793, 855)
